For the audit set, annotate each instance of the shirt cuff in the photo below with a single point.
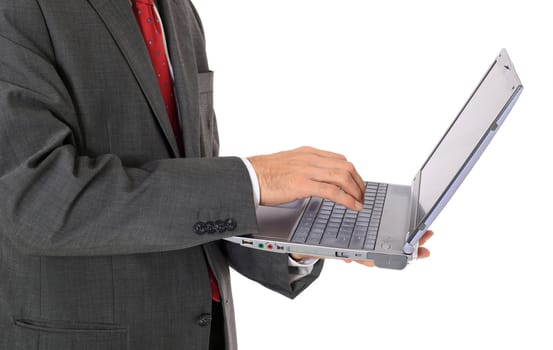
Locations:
(300, 269)
(255, 182)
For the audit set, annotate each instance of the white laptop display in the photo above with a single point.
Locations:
(394, 217)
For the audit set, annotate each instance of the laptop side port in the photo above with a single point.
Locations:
(247, 242)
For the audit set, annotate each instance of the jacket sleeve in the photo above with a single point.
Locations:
(57, 200)
(269, 269)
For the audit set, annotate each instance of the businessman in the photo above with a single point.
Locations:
(113, 200)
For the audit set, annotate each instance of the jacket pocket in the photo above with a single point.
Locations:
(62, 335)
(209, 135)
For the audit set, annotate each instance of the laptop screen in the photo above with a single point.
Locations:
(466, 138)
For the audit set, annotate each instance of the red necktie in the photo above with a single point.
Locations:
(150, 26)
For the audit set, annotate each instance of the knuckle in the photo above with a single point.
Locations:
(311, 158)
(345, 176)
(349, 166)
(325, 191)
(334, 193)
(341, 176)
(349, 202)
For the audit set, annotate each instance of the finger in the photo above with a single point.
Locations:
(341, 179)
(368, 263)
(356, 177)
(358, 181)
(423, 253)
(338, 172)
(344, 165)
(427, 235)
(298, 257)
(334, 194)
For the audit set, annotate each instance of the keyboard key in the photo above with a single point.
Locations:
(335, 225)
(300, 236)
(357, 242)
(335, 242)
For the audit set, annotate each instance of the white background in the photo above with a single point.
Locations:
(380, 81)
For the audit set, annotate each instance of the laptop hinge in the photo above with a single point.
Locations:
(414, 204)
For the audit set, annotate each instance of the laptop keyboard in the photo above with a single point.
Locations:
(336, 226)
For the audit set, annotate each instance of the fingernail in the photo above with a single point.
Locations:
(358, 205)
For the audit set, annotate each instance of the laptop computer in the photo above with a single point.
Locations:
(394, 217)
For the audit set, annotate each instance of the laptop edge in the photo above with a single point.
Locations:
(398, 244)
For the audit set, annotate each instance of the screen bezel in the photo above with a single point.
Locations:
(420, 220)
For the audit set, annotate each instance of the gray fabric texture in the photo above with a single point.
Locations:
(97, 242)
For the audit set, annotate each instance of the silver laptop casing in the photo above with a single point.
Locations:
(406, 216)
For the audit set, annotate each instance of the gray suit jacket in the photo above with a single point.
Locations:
(97, 242)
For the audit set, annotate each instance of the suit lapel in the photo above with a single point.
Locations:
(176, 21)
(119, 20)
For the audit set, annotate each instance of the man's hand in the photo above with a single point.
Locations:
(304, 172)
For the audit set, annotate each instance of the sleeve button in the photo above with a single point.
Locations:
(210, 227)
(204, 319)
(220, 226)
(230, 224)
(200, 227)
